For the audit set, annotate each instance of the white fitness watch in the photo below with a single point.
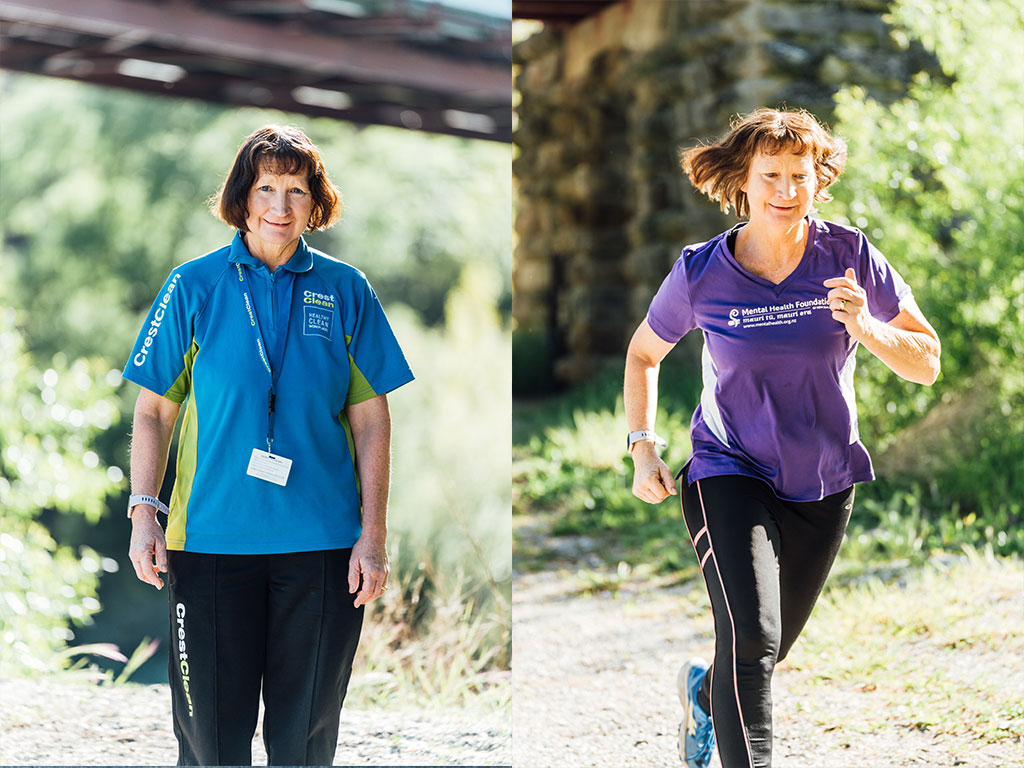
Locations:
(644, 434)
(145, 498)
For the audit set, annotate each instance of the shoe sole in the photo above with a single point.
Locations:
(683, 689)
(684, 676)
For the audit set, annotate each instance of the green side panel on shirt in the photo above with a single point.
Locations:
(343, 419)
(183, 384)
(188, 440)
(359, 388)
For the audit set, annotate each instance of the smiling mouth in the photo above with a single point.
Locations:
(782, 207)
(275, 224)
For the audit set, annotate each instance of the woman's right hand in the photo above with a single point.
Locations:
(148, 543)
(652, 479)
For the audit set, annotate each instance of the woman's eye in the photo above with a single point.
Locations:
(265, 188)
(298, 191)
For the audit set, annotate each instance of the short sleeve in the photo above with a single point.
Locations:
(671, 314)
(158, 360)
(886, 290)
(376, 361)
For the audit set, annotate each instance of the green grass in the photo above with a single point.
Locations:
(931, 648)
(454, 655)
(570, 468)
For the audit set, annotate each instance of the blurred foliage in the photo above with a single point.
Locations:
(104, 191)
(570, 466)
(112, 192)
(455, 425)
(47, 418)
(450, 500)
(532, 362)
(936, 180)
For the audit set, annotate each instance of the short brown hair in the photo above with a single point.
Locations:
(720, 169)
(284, 149)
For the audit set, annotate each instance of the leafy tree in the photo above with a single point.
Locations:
(47, 420)
(937, 181)
(112, 187)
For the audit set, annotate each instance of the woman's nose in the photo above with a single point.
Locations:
(279, 203)
(787, 190)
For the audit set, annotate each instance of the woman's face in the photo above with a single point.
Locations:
(780, 188)
(279, 209)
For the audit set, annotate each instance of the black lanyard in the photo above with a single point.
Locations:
(273, 367)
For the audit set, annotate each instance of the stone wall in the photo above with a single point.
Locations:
(603, 208)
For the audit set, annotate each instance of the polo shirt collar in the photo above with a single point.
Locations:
(301, 260)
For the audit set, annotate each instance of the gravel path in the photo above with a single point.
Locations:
(54, 721)
(594, 682)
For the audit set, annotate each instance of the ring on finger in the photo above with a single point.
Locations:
(842, 305)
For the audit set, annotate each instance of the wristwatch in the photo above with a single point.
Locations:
(145, 498)
(644, 434)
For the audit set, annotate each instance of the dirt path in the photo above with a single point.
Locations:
(57, 722)
(594, 681)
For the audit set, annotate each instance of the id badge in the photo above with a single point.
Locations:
(267, 466)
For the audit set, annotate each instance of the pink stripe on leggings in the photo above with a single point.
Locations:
(732, 623)
(705, 559)
(700, 533)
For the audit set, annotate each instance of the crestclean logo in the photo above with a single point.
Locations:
(248, 308)
(319, 299)
(154, 324)
(245, 295)
(318, 314)
(179, 611)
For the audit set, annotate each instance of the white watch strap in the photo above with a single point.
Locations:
(145, 498)
(644, 434)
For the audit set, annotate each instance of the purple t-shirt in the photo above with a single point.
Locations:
(778, 401)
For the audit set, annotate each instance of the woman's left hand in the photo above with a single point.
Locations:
(849, 304)
(369, 560)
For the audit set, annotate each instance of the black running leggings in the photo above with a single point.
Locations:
(764, 562)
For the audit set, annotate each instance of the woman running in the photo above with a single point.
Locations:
(783, 300)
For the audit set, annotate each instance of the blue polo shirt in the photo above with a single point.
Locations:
(198, 347)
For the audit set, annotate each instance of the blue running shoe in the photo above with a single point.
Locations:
(696, 736)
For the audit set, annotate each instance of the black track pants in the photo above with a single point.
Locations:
(764, 561)
(285, 623)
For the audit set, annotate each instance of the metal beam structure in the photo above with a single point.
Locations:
(557, 13)
(408, 63)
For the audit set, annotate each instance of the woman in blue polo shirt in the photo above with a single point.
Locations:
(276, 526)
(782, 300)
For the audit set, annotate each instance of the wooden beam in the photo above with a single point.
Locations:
(274, 89)
(558, 11)
(185, 28)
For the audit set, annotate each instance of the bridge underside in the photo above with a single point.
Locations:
(414, 64)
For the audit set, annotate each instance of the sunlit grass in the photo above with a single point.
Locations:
(935, 648)
(456, 654)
